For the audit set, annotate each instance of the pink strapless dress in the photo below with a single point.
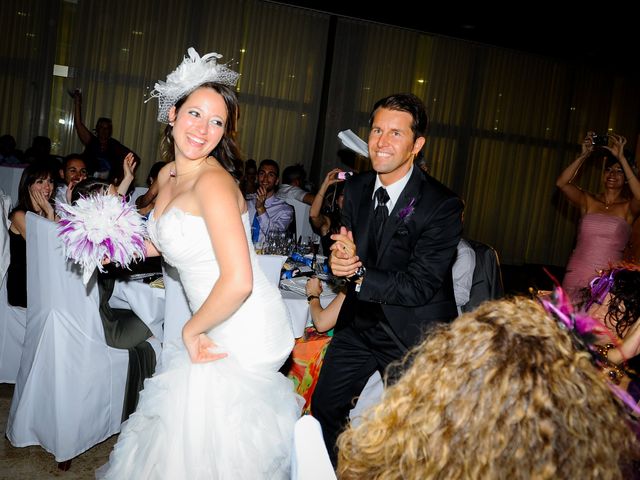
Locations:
(601, 241)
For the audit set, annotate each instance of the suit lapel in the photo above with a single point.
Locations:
(411, 193)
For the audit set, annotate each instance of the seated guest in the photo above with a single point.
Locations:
(40, 153)
(122, 189)
(292, 186)
(462, 273)
(122, 327)
(613, 300)
(308, 351)
(266, 211)
(74, 169)
(502, 392)
(9, 155)
(326, 208)
(146, 202)
(249, 180)
(35, 194)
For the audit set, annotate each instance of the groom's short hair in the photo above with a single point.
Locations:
(406, 102)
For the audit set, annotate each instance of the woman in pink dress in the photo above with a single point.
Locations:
(606, 218)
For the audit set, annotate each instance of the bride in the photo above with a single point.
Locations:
(217, 407)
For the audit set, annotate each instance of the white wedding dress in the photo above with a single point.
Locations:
(228, 419)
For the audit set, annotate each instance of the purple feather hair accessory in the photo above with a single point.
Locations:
(582, 327)
(600, 286)
(101, 226)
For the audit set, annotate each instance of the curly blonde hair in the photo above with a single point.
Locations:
(499, 393)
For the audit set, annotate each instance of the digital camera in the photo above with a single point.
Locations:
(599, 140)
(344, 175)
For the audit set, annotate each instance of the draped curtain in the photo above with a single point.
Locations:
(503, 123)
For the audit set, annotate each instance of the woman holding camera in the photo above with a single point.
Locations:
(326, 221)
(606, 217)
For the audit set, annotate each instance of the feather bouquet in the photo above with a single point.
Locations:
(100, 227)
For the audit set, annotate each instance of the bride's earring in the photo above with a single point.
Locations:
(171, 124)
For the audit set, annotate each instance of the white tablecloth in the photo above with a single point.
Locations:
(148, 304)
(10, 181)
(143, 300)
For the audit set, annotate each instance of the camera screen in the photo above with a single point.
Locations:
(600, 140)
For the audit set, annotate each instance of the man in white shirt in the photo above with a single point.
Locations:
(74, 169)
(266, 211)
(462, 272)
(291, 187)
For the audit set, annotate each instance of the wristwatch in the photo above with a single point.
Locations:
(311, 297)
(358, 275)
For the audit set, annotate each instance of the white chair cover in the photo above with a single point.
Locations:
(13, 320)
(137, 192)
(271, 265)
(70, 387)
(310, 460)
(370, 395)
(176, 306)
(303, 226)
(5, 205)
(10, 180)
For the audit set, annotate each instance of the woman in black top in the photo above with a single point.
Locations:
(35, 194)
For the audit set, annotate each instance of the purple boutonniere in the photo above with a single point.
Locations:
(407, 211)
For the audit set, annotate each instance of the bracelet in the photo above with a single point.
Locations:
(311, 297)
(614, 372)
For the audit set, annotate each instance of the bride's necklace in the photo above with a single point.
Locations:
(173, 173)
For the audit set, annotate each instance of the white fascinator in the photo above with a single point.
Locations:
(190, 74)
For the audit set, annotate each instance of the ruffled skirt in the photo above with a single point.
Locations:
(207, 421)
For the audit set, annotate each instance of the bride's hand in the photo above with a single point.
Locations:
(200, 348)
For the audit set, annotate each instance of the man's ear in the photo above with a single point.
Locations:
(418, 144)
(61, 173)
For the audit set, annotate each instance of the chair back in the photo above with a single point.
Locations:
(271, 265)
(303, 226)
(70, 387)
(487, 276)
(13, 320)
(310, 460)
(137, 192)
(5, 206)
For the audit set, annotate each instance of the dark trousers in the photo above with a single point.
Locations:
(352, 356)
(125, 330)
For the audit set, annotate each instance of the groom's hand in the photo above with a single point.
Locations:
(343, 260)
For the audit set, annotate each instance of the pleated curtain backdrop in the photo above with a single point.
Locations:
(503, 123)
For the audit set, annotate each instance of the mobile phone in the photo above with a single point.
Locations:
(344, 175)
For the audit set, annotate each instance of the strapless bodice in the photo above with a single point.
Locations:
(261, 326)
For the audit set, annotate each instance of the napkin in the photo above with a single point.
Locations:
(297, 285)
(354, 142)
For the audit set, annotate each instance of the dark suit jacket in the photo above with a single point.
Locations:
(411, 276)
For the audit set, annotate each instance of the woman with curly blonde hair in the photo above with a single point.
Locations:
(500, 393)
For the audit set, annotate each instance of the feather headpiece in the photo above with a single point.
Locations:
(101, 226)
(581, 326)
(190, 74)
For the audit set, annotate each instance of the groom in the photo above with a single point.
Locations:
(396, 248)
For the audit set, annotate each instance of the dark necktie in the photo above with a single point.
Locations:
(381, 212)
